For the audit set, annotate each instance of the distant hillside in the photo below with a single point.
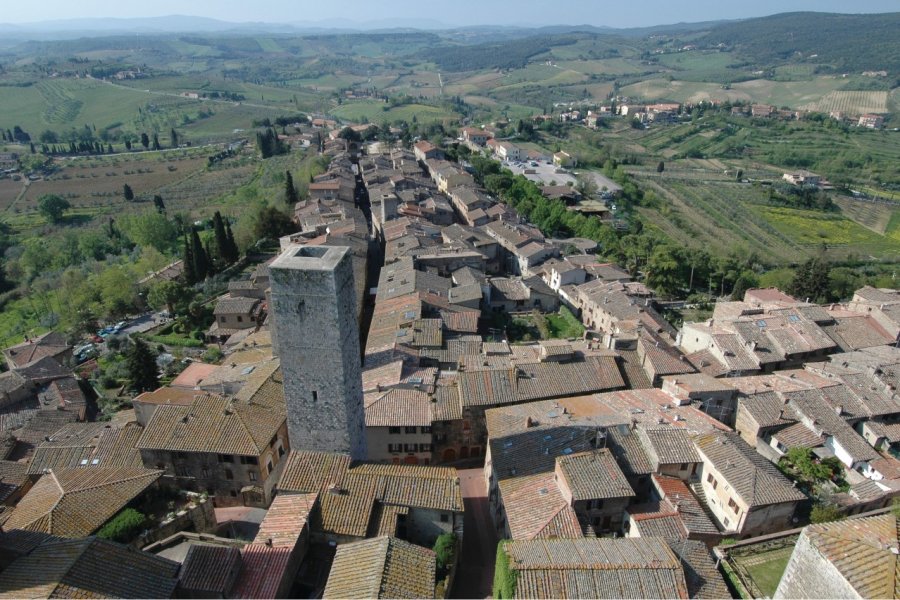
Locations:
(848, 43)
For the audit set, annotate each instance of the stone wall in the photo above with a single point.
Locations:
(810, 575)
(198, 519)
(314, 310)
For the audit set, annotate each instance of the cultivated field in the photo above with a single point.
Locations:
(851, 103)
(379, 112)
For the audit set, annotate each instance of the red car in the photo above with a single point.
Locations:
(97, 339)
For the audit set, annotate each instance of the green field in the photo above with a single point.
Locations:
(378, 112)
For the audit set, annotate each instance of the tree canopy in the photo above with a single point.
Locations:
(52, 207)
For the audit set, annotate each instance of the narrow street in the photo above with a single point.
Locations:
(475, 574)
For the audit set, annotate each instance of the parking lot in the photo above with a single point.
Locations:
(548, 174)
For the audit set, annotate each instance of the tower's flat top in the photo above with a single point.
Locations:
(309, 258)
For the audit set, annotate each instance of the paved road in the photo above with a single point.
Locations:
(475, 575)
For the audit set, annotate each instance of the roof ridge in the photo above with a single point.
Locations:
(146, 473)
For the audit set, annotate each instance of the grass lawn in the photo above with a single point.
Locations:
(563, 324)
(375, 112)
(767, 573)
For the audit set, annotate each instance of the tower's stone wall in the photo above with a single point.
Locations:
(313, 310)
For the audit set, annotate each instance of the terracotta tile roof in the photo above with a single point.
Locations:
(705, 362)
(798, 435)
(348, 494)
(193, 375)
(463, 321)
(216, 424)
(680, 498)
(768, 409)
(596, 568)
(535, 508)
(667, 446)
(756, 480)
(209, 569)
(385, 375)
(13, 475)
(287, 517)
(76, 502)
(629, 453)
(809, 405)
(385, 519)
(700, 572)
(593, 474)
(168, 395)
(88, 445)
(398, 408)
(862, 550)
(383, 567)
(262, 570)
(51, 344)
(88, 568)
(235, 305)
(446, 404)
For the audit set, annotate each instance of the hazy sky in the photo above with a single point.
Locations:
(614, 13)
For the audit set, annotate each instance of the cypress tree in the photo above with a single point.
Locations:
(190, 274)
(221, 238)
(233, 253)
(201, 261)
(290, 192)
(141, 365)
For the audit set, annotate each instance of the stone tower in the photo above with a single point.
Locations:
(313, 307)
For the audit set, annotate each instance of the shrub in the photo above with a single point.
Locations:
(823, 513)
(504, 577)
(174, 340)
(124, 526)
(212, 355)
(444, 549)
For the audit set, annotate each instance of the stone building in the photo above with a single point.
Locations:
(231, 448)
(314, 310)
(856, 558)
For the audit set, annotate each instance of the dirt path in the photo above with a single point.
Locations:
(475, 575)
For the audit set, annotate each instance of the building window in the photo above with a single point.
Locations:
(315, 396)
(424, 447)
(181, 471)
(683, 467)
(733, 505)
(205, 472)
(240, 319)
(394, 430)
(726, 522)
(229, 474)
(410, 447)
(596, 504)
(252, 475)
(411, 430)
(280, 451)
(445, 518)
(425, 429)
(222, 319)
(395, 447)
(226, 458)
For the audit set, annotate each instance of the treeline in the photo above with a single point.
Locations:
(845, 42)
(513, 54)
(202, 260)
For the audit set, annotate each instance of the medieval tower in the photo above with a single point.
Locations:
(313, 307)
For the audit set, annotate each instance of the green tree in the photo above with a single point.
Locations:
(159, 204)
(156, 145)
(664, 271)
(200, 258)
(127, 192)
(824, 512)
(272, 223)
(290, 192)
(586, 185)
(660, 167)
(145, 141)
(52, 207)
(171, 295)
(189, 274)
(444, 550)
(504, 575)
(811, 280)
(747, 280)
(224, 243)
(124, 526)
(150, 228)
(141, 365)
(173, 138)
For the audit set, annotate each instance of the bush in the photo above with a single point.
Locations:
(823, 513)
(124, 526)
(504, 577)
(444, 549)
(174, 340)
(212, 355)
